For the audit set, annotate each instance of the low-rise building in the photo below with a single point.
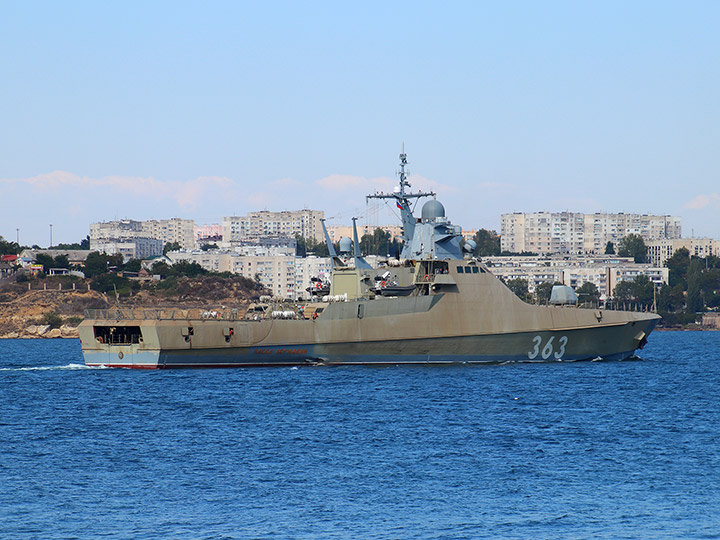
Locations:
(75, 256)
(285, 275)
(604, 271)
(659, 251)
(130, 248)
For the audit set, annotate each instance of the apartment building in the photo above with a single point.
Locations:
(576, 233)
(605, 272)
(140, 239)
(660, 251)
(255, 225)
(284, 274)
(137, 247)
(125, 237)
(208, 234)
(172, 230)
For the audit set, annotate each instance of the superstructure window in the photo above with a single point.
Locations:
(459, 269)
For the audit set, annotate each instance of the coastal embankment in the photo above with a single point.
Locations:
(46, 313)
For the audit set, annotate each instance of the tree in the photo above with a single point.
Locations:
(110, 282)
(61, 261)
(609, 248)
(84, 244)
(488, 243)
(678, 266)
(588, 292)
(96, 263)
(640, 291)
(380, 242)
(9, 248)
(187, 269)
(133, 265)
(633, 246)
(171, 246)
(519, 286)
(208, 247)
(305, 246)
(46, 260)
(162, 268)
(710, 287)
(694, 298)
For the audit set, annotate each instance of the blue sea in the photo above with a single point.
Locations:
(562, 450)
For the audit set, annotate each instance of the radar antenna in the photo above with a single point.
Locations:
(402, 198)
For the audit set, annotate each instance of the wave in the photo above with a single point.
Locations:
(51, 368)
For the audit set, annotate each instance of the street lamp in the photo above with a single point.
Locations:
(50, 247)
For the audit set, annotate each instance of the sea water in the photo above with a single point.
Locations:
(560, 450)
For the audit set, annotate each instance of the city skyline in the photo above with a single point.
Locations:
(160, 111)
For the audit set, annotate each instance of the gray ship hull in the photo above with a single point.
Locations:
(163, 346)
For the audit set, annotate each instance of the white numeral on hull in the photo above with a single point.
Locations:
(547, 351)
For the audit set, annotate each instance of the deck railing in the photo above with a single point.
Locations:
(165, 314)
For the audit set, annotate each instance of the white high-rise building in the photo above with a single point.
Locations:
(121, 235)
(261, 224)
(576, 233)
(175, 230)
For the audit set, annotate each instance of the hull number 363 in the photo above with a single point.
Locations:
(549, 349)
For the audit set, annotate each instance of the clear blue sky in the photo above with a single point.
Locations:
(199, 110)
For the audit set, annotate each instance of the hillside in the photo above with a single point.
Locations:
(51, 307)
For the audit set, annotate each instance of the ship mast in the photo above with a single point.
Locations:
(402, 199)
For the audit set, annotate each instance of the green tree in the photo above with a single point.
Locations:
(110, 282)
(83, 244)
(488, 243)
(639, 291)
(96, 263)
(52, 319)
(208, 247)
(310, 246)
(609, 248)
(162, 268)
(633, 246)
(187, 269)
(710, 287)
(588, 292)
(677, 266)
(46, 260)
(61, 261)
(519, 286)
(171, 246)
(9, 248)
(133, 265)
(694, 302)
(380, 242)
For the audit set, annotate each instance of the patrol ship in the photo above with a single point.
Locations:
(436, 304)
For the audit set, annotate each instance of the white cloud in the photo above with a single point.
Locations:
(187, 193)
(703, 201)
